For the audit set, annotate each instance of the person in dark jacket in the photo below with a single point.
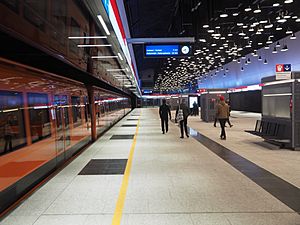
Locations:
(183, 123)
(222, 115)
(164, 112)
(228, 121)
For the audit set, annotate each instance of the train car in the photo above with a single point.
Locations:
(44, 120)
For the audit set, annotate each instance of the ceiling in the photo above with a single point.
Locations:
(225, 31)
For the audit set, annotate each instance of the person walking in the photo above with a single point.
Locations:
(228, 121)
(222, 115)
(183, 123)
(164, 112)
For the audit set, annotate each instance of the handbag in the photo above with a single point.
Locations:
(179, 115)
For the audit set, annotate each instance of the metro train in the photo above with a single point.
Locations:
(44, 120)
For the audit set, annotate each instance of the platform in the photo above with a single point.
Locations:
(199, 180)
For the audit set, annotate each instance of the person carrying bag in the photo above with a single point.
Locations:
(182, 114)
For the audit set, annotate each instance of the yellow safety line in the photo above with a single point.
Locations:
(122, 194)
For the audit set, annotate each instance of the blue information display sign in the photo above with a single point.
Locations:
(167, 50)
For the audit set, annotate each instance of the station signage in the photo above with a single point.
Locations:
(165, 50)
(283, 71)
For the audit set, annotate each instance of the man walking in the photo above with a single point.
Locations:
(164, 112)
(222, 115)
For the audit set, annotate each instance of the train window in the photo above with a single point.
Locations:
(12, 133)
(12, 4)
(76, 110)
(59, 15)
(39, 116)
(36, 12)
(74, 31)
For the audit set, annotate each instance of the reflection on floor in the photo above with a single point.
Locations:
(173, 181)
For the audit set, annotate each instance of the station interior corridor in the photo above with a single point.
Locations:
(199, 180)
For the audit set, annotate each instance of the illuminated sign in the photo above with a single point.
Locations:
(283, 71)
(167, 50)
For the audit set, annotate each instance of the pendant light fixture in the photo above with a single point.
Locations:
(266, 62)
(274, 50)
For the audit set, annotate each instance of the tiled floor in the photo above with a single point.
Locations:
(172, 181)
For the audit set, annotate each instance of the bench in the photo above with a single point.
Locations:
(270, 131)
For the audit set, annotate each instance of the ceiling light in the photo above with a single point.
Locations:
(276, 4)
(289, 32)
(274, 50)
(240, 24)
(268, 26)
(278, 28)
(265, 62)
(297, 20)
(293, 37)
(259, 58)
(104, 57)
(281, 20)
(210, 31)
(251, 29)
(249, 61)
(88, 37)
(235, 14)
(278, 45)
(114, 70)
(103, 24)
(230, 35)
(248, 9)
(88, 46)
(288, 1)
(239, 61)
(205, 26)
(224, 15)
(285, 48)
(258, 10)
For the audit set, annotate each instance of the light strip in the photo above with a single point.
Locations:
(88, 37)
(103, 24)
(283, 94)
(113, 70)
(104, 57)
(120, 56)
(217, 92)
(84, 46)
(280, 82)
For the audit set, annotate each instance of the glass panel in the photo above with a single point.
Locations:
(39, 116)
(74, 31)
(35, 12)
(12, 133)
(76, 111)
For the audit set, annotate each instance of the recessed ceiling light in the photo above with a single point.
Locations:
(235, 14)
(276, 4)
(210, 31)
(230, 35)
(274, 50)
(224, 15)
(289, 32)
(205, 26)
(293, 37)
(297, 20)
(267, 47)
(278, 28)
